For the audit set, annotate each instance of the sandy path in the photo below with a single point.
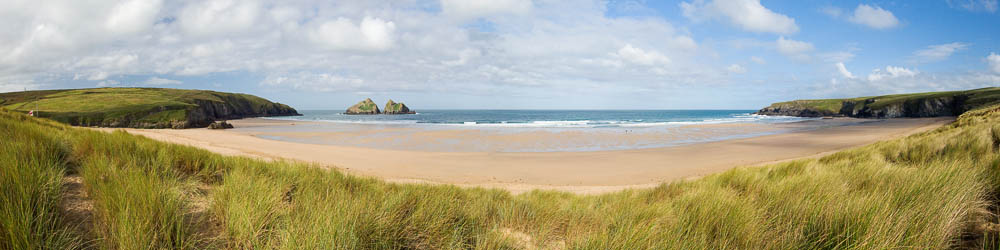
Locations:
(578, 172)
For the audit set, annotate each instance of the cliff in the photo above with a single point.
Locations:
(366, 107)
(951, 103)
(394, 108)
(142, 107)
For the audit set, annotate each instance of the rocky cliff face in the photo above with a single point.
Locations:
(394, 108)
(199, 113)
(233, 107)
(366, 107)
(793, 110)
(878, 108)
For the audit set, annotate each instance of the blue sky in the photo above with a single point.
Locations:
(506, 54)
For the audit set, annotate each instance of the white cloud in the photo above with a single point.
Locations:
(874, 17)
(975, 5)
(749, 15)
(891, 72)
(212, 17)
(640, 56)
(472, 9)
(843, 70)
(98, 76)
(133, 16)
(316, 82)
(938, 52)
(758, 60)
(994, 61)
(736, 68)
(372, 34)
(160, 81)
(794, 49)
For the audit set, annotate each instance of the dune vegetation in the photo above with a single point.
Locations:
(69, 188)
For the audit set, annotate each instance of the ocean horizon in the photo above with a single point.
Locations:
(547, 118)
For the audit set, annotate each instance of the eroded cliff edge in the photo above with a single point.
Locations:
(951, 103)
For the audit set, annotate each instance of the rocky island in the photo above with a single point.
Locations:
(368, 107)
(394, 108)
(932, 104)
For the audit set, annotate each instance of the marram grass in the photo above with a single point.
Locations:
(932, 190)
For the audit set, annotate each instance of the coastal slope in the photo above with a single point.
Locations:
(930, 104)
(141, 107)
(75, 187)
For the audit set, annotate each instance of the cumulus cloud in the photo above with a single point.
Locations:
(219, 16)
(640, 56)
(891, 72)
(843, 70)
(748, 15)
(938, 52)
(160, 81)
(794, 49)
(994, 61)
(473, 9)
(371, 34)
(133, 16)
(758, 60)
(874, 17)
(736, 69)
(381, 45)
(975, 5)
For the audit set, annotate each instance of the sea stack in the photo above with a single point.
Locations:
(366, 107)
(394, 108)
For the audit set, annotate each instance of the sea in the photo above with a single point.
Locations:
(530, 130)
(549, 118)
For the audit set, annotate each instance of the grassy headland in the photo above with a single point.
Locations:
(141, 107)
(888, 106)
(936, 189)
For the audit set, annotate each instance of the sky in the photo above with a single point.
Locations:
(506, 54)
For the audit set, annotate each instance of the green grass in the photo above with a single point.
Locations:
(935, 190)
(129, 107)
(976, 98)
(32, 164)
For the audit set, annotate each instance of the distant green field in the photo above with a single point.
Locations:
(138, 107)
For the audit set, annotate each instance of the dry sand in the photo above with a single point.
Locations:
(578, 172)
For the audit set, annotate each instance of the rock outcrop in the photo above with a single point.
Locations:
(233, 107)
(366, 107)
(791, 109)
(220, 125)
(394, 108)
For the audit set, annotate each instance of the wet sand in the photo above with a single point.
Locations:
(578, 172)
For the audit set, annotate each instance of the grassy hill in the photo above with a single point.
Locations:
(141, 107)
(888, 106)
(67, 188)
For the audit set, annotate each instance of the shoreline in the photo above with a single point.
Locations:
(588, 172)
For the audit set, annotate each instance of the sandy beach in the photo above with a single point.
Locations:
(578, 172)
